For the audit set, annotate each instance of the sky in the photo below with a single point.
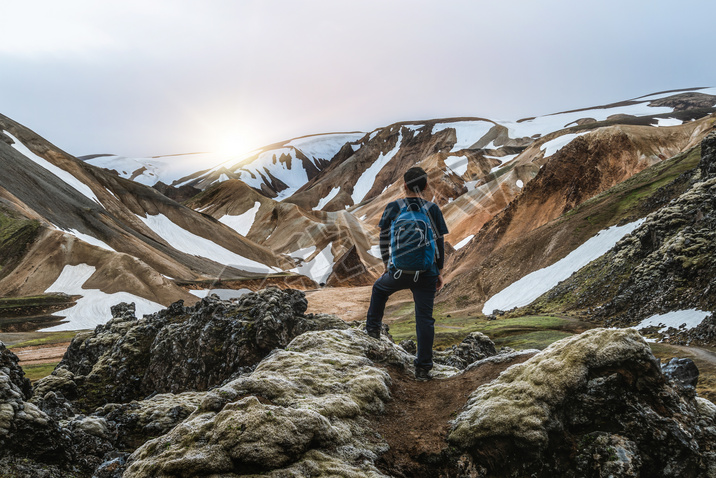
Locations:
(154, 77)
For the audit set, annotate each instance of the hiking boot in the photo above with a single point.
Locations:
(373, 333)
(422, 374)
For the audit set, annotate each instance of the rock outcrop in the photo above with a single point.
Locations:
(596, 404)
(33, 444)
(179, 348)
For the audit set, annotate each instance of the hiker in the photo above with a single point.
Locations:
(414, 265)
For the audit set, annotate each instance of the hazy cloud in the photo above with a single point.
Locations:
(142, 78)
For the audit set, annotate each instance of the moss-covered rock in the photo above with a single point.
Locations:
(600, 394)
(301, 412)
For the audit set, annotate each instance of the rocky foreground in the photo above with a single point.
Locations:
(259, 387)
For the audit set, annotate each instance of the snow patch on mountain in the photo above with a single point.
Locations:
(457, 164)
(320, 267)
(280, 163)
(533, 285)
(466, 132)
(322, 203)
(689, 319)
(544, 125)
(189, 243)
(93, 308)
(324, 146)
(552, 146)
(61, 174)
(224, 294)
(89, 239)
(365, 182)
(464, 242)
(503, 160)
(243, 222)
(668, 122)
(150, 171)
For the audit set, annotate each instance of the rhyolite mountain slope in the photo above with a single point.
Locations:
(477, 167)
(74, 228)
(667, 264)
(318, 404)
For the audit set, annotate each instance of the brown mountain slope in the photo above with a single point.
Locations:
(134, 236)
(534, 231)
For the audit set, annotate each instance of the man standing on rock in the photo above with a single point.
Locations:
(413, 252)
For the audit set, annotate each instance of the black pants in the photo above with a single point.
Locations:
(424, 296)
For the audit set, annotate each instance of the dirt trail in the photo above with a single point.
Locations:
(348, 303)
(41, 354)
(416, 421)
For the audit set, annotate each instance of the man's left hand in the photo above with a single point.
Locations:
(441, 282)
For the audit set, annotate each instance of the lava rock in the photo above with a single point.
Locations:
(601, 394)
(179, 348)
(476, 346)
(682, 371)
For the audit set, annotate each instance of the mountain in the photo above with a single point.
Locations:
(73, 228)
(479, 167)
(310, 206)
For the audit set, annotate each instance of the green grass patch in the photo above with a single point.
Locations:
(517, 332)
(16, 235)
(531, 340)
(36, 372)
(43, 300)
(49, 338)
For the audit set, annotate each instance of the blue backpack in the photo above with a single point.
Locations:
(412, 240)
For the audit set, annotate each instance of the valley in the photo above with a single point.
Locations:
(150, 306)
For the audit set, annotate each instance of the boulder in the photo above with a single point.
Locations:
(682, 371)
(597, 403)
(476, 346)
(301, 412)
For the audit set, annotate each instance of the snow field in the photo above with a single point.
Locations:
(224, 294)
(668, 122)
(318, 268)
(466, 132)
(533, 285)
(552, 146)
(89, 239)
(689, 318)
(61, 174)
(189, 243)
(457, 164)
(324, 146)
(503, 160)
(166, 169)
(243, 222)
(93, 308)
(543, 125)
(293, 176)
